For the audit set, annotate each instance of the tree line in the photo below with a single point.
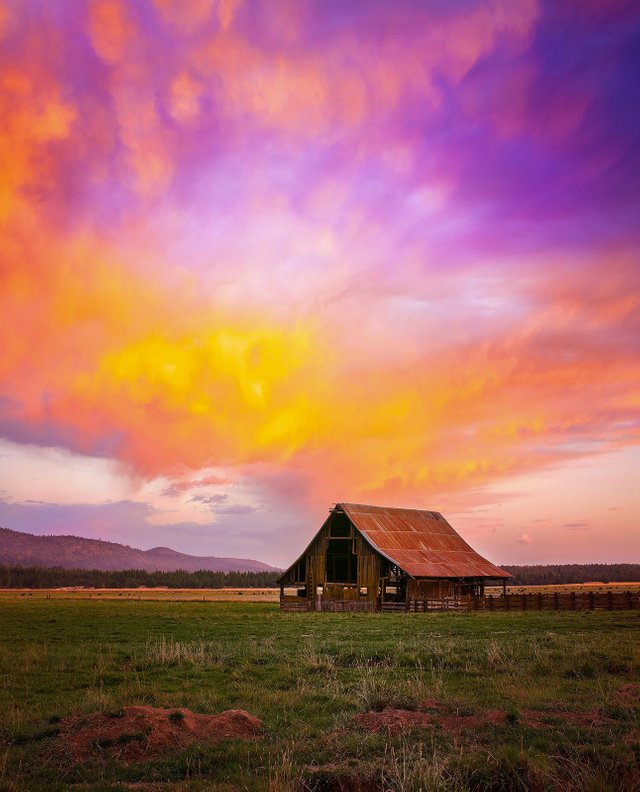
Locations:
(553, 574)
(13, 576)
(57, 577)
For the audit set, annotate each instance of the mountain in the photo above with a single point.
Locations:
(75, 552)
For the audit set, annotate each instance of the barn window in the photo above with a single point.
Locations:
(340, 526)
(364, 591)
(342, 562)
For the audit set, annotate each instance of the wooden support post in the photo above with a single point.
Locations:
(504, 588)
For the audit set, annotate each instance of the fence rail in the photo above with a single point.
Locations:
(572, 600)
(558, 601)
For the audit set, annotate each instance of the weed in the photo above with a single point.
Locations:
(512, 716)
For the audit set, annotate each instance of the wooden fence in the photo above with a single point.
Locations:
(565, 601)
(559, 601)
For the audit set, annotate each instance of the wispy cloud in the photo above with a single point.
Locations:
(578, 525)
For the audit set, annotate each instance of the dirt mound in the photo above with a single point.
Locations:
(136, 733)
(397, 720)
(394, 720)
(547, 719)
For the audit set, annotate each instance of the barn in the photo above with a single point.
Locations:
(370, 558)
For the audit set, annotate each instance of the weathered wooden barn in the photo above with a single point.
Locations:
(376, 558)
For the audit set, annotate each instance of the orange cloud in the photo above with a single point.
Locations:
(111, 28)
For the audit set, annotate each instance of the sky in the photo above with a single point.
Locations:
(261, 256)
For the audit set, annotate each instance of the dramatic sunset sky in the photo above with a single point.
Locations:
(260, 256)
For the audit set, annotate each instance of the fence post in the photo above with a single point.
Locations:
(629, 602)
(490, 602)
(609, 600)
(573, 600)
(539, 601)
(555, 600)
(591, 600)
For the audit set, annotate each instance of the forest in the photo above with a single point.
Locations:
(12, 576)
(544, 575)
(56, 577)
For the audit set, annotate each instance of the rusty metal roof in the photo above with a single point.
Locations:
(422, 543)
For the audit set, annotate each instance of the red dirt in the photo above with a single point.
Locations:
(630, 693)
(136, 733)
(395, 720)
(400, 720)
(539, 719)
(458, 723)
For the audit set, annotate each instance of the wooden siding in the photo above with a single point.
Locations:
(368, 574)
(346, 606)
(368, 569)
(430, 589)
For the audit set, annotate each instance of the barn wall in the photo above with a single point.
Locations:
(336, 596)
(368, 569)
(430, 589)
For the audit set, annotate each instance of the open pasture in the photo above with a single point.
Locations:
(148, 594)
(264, 594)
(476, 701)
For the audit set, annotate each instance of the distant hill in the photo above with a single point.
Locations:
(75, 552)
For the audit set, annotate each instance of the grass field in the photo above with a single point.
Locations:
(567, 685)
(262, 594)
(153, 594)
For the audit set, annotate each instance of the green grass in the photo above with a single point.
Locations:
(305, 676)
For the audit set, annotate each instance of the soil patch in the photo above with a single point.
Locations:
(540, 719)
(393, 720)
(630, 693)
(397, 720)
(138, 733)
